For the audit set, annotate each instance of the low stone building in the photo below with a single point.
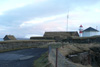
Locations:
(41, 38)
(9, 37)
(57, 36)
(61, 34)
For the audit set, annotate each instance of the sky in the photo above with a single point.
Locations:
(26, 18)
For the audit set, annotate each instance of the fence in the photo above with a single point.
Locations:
(57, 59)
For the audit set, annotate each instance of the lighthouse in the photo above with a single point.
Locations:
(80, 30)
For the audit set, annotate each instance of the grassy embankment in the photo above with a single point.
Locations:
(73, 48)
(11, 45)
(42, 61)
(68, 48)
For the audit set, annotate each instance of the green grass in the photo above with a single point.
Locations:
(42, 61)
(25, 41)
(73, 48)
(4, 45)
(7, 50)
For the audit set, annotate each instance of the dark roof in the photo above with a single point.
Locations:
(9, 37)
(91, 29)
(61, 34)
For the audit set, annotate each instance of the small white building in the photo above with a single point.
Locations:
(90, 32)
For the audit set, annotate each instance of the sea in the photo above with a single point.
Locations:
(1, 39)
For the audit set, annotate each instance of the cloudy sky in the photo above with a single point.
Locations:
(25, 18)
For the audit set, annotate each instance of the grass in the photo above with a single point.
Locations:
(42, 61)
(22, 44)
(7, 50)
(72, 48)
(15, 41)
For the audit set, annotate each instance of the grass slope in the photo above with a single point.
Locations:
(42, 61)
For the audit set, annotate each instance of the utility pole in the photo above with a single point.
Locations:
(67, 18)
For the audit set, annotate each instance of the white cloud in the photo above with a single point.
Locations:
(38, 1)
(1, 13)
(97, 10)
(3, 28)
(12, 4)
(41, 20)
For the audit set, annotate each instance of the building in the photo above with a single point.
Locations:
(57, 36)
(90, 32)
(9, 37)
(41, 38)
(61, 34)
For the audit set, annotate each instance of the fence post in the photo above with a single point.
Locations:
(56, 57)
(49, 49)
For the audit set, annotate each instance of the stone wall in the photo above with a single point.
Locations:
(41, 38)
(15, 44)
(94, 39)
(61, 61)
(75, 53)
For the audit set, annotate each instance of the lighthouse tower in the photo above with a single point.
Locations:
(80, 30)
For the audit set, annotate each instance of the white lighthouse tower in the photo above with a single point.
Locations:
(80, 30)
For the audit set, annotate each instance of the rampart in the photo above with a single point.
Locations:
(42, 38)
(93, 39)
(74, 54)
(21, 44)
(61, 62)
